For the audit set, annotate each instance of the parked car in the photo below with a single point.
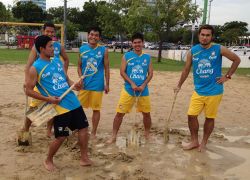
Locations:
(184, 47)
(238, 48)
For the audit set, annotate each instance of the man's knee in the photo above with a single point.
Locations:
(192, 117)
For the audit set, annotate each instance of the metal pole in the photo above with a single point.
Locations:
(193, 29)
(65, 21)
(210, 2)
(204, 20)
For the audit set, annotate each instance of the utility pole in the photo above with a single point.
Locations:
(193, 28)
(210, 1)
(204, 19)
(65, 22)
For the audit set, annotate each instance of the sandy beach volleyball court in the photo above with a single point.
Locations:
(227, 157)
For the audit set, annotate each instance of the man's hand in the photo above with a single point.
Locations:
(141, 88)
(221, 80)
(78, 86)
(177, 89)
(54, 99)
(106, 89)
(134, 87)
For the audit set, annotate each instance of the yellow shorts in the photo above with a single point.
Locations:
(209, 103)
(127, 101)
(90, 99)
(35, 102)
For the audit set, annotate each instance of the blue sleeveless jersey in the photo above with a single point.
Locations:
(137, 71)
(207, 66)
(52, 78)
(96, 57)
(57, 49)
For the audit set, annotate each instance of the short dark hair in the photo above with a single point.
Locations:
(48, 24)
(137, 36)
(42, 41)
(96, 29)
(207, 26)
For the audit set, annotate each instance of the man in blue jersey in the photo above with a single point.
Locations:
(93, 86)
(59, 51)
(50, 78)
(137, 71)
(206, 60)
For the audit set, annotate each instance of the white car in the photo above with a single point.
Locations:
(238, 48)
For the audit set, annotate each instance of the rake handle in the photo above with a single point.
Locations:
(175, 96)
(80, 79)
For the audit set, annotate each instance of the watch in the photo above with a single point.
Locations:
(228, 76)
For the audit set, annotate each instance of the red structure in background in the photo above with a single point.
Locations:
(25, 42)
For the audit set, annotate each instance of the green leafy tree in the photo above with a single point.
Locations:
(5, 14)
(231, 31)
(160, 17)
(28, 12)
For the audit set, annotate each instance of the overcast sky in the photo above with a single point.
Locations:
(221, 10)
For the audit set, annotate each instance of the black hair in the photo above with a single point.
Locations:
(137, 36)
(207, 26)
(42, 41)
(96, 29)
(48, 24)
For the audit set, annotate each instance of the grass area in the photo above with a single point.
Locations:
(13, 56)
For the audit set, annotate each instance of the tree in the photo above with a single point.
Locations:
(5, 14)
(28, 12)
(231, 31)
(160, 17)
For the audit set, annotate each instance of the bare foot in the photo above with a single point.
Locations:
(189, 146)
(202, 147)
(147, 136)
(111, 140)
(93, 137)
(49, 165)
(86, 162)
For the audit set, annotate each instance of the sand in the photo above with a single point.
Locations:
(227, 157)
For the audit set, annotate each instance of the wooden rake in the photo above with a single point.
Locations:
(46, 111)
(166, 129)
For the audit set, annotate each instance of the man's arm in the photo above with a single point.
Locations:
(149, 77)
(236, 61)
(65, 59)
(79, 66)
(125, 76)
(185, 72)
(32, 57)
(31, 82)
(107, 71)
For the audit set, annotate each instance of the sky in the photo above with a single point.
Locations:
(222, 11)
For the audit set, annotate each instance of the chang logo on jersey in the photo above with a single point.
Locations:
(56, 51)
(195, 59)
(144, 63)
(204, 68)
(58, 81)
(212, 56)
(59, 67)
(99, 54)
(46, 75)
(137, 73)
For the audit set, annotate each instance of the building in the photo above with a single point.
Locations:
(40, 3)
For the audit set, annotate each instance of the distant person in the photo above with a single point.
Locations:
(59, 52)
(49, 73)
(93, 86)
(206, 60)
(137, 71)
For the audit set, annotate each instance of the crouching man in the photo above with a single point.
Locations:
(49, 76)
